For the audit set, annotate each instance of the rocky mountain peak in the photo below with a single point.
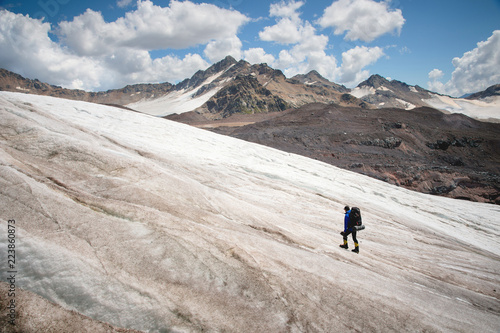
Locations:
(374, 81)
(313, 78)
(243, 95)
(489, 92)
(379, 91)
(200, 76)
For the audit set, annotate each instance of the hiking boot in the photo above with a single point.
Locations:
(356, 249)
(344, 246)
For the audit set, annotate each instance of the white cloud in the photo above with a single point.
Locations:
(258, 56)
(363, 20)
(353, 62)
(169, 67)
(218, 49)
(309, 54)
(28, 50)
(123, 3)
(475, 71)
(150, 27)
(435, 74)
(284, 32)
(96, 55)
(286, 9)
(288, 29)
(308, 48)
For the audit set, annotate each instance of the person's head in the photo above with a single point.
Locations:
(346, 208)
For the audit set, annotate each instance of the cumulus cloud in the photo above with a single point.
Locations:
(354, 60)
(435, 74)
(476, 70)
(257, 55)
(151, 27)
(28, 50)
(93, 54)
(284, 9)
(363, 20)
(307, 48)
(288, 28)
(218, 49)
(285, 32)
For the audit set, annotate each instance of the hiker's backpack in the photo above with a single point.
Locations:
(355, 216)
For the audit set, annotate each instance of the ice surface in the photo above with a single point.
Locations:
(154, 225)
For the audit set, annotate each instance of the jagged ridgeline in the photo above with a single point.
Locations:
(223, 89)
(231, 87)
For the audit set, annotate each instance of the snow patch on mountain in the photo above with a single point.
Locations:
(180, 101)
(406, 105)
(485, 109)
(384, 88)
(360, 92)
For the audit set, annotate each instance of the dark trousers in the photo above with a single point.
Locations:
(353, 232)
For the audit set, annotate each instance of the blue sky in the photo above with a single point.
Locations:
(451, 47)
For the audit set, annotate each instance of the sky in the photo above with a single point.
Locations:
(448, 46)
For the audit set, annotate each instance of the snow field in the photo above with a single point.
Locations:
(154, 225)
(487, 109)
(178, 101)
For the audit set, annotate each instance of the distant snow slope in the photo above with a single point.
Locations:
(179, 101)
(157, 226)
(486, 109)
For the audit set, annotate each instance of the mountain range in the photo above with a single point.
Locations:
(230, 87)
(402, 134)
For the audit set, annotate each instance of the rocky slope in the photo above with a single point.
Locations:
(380, 92)
(422, 149)
(10, 81)
(493, 91)
(244, 95)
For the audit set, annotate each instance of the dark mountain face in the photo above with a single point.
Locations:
(200, 76)
(245, 95)
(381, 92)
(13, 82)
(375, 81)
(422, 149)
(489, 92)
(313, 78)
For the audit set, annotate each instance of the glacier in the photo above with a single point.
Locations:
(156, 226)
